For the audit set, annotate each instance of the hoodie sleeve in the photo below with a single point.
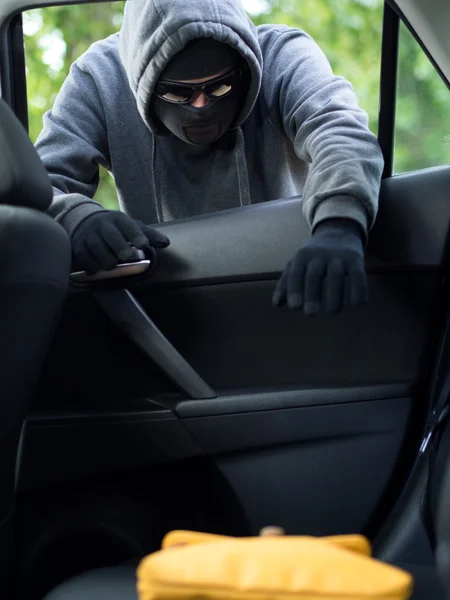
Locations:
(72, 145)
(319, 113)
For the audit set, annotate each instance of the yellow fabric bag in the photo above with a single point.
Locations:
(198, 566)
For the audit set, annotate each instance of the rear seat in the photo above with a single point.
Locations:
(115, 583)
(119, 583)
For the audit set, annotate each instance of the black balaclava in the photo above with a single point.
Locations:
(201, 58)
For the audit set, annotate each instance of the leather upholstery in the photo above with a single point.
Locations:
(115, 583)
(427, 585)
(23, 179)
(34, 273)
(119, 583)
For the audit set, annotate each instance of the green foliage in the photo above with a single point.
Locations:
(54, 38)
(348, 31)
(423, 116)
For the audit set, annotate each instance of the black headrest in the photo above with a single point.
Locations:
(23, 178)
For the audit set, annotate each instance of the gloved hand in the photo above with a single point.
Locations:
(104, 239)
(315, 279)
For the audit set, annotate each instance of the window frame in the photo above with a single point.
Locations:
(388, 87)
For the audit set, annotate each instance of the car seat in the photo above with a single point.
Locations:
(119, 583)
(34, 273)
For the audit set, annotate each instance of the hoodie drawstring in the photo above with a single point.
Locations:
(156, 196)
(241, 169)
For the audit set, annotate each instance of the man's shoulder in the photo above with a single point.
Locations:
(276, 41)
(101, 56)
(276, 30)
(269, 34)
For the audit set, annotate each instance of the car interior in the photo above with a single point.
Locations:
(169, 394)
(34, 268)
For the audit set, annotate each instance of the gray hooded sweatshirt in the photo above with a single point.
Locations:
(300, 130)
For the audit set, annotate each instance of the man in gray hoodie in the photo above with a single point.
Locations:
(193, 109)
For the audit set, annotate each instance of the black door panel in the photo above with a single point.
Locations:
(312, 469)
(282, 398)
(313, 416)
(318, 470)
(322, 487)
(71, 448)
(233, 337)
(265, 429)
(68, 447)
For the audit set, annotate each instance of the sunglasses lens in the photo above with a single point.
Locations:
(176, 94)
(182, 94)
(221, 90)
(222, 87)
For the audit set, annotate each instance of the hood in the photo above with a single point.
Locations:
(154, 31)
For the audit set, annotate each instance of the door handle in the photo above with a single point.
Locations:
(121, 270)
(123, 308)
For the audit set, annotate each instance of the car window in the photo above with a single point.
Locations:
(422, 130)
(54, 38)
(348, 31)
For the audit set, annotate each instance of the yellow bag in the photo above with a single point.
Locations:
(198, 566)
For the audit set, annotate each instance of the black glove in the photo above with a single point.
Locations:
(315, 279)
(104, 239)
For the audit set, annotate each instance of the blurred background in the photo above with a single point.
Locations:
(348, 31)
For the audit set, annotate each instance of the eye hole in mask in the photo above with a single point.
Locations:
(220, 87)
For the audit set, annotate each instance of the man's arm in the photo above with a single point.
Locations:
(72, 145)
(319, 113)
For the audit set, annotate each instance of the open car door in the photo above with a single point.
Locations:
(189, 401)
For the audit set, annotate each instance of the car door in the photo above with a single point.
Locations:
(189, 401)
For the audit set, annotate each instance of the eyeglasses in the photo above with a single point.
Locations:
(182, 93)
